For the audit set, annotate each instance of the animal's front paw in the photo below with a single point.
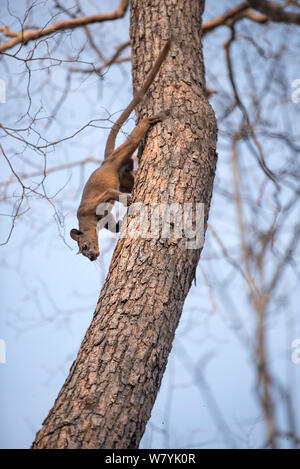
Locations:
(129, 200)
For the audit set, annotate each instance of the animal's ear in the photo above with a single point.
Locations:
(75, 234)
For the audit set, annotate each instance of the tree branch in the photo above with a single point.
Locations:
(222, 19)
(275, 12)
(228, 18)
(106, 63)
(25, 36)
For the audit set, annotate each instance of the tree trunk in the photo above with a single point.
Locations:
(107, 398)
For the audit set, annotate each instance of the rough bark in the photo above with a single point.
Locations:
(107, 398)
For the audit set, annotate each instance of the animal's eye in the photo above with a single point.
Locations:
(84, 248)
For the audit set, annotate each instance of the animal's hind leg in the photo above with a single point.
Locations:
(124, 152)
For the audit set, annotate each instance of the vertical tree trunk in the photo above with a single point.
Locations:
(107, 398)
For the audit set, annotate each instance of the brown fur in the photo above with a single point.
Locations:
(115, 175)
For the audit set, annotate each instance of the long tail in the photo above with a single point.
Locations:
(110, 144)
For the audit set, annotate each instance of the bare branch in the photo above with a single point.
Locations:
(231, 16)
(106, 63)
(43, 172)
(275, 11)
(25, 36)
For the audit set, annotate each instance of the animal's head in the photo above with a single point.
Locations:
(88, 245)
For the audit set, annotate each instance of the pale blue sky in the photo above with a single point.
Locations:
(48, 294)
